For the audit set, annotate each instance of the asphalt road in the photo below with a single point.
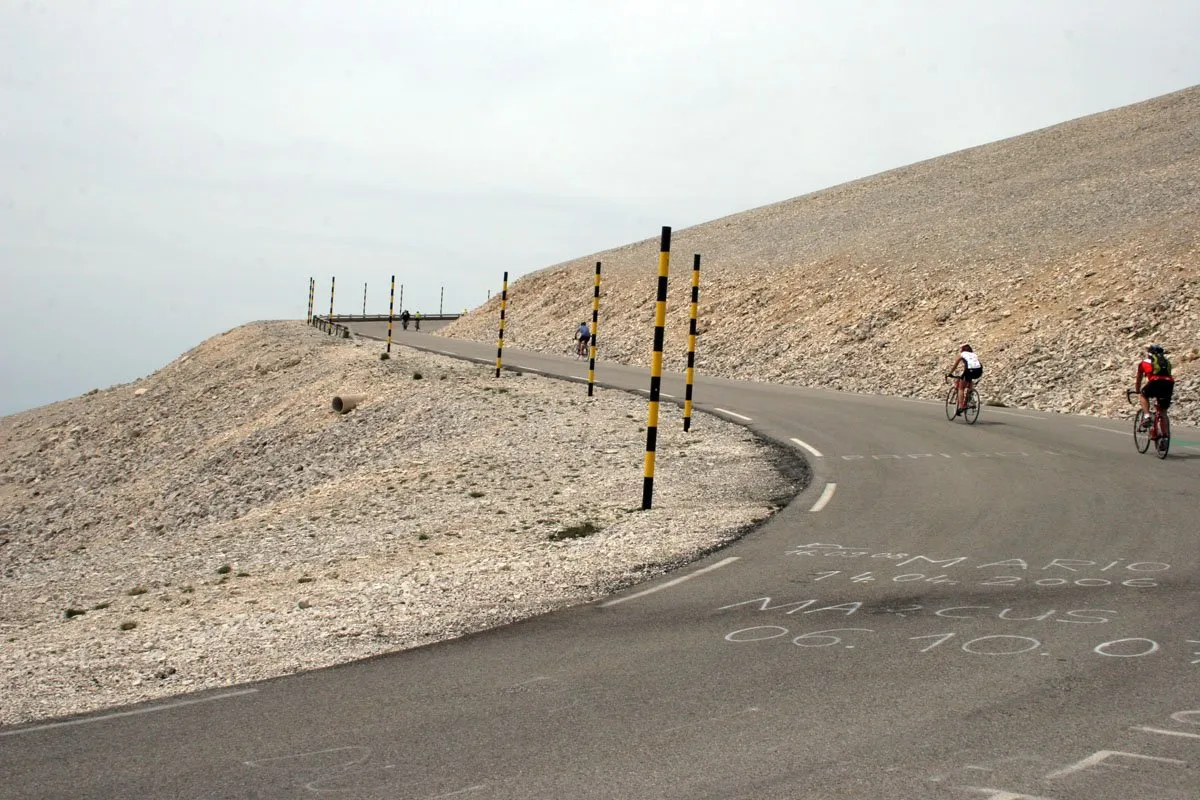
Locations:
(1006, 610)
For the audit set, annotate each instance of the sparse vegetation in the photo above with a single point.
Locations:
(128, 626)
(305, 579)
(417, 376)
(73, 612)
(224, 569)
(135, 591)
(384, 356)
(475, 493)
(574, 532)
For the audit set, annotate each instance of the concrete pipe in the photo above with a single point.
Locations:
(344, 404)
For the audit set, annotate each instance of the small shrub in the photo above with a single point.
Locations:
(243, 575)
(422, 537)
(73, 612)
(384, 356)
(135, 591)
(475, 493)
(305, 579)
(417, 376)
(224, 569)
(100, 606)
(574, 532)
(128, 626)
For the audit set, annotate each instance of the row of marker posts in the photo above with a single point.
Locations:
(660, 317)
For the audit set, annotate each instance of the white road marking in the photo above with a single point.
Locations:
(670, 583)
(1183, 734)
(732, 414)
(816, 453)
(136, 711)
(826, 496)
(1106, 430)
(664, 394)
(991, 410)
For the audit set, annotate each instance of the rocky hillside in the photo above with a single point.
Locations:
(216, 522)
(1059, 255)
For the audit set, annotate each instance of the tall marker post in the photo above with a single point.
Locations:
(391, 297)
(364, 299)
(402, 299)
(500, 340)
(332, 284)
(595, 324)
(441, 296)
(691, 358)
(660, 322)
(312, 286)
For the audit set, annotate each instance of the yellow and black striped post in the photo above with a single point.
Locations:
(364, 299)
(660, 321)
(691, 358)
(595, 325)
(312, 285)
(332, 284)
(391, 308)
(500, 340)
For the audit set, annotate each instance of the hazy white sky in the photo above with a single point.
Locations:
(170, 169)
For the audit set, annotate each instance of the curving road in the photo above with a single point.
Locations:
(1007, 610)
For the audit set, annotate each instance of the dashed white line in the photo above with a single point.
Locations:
(816, 453)
(826, 496)
(1014, 414)
(664, 394)
(1106, 430)
(135, 712)
(732, 413)
(670, 583)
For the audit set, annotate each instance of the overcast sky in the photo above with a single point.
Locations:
(172, 169)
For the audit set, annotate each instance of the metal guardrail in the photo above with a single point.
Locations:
(333, 328)
(384, 317)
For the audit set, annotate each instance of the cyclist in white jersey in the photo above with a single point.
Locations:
(972, 370)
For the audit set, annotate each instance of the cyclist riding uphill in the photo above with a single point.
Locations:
(1155, 370)
(972, 370)
(582, 336)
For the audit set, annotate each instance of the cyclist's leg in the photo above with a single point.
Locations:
(962, 391)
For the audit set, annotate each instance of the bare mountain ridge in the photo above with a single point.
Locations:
(1059, 254)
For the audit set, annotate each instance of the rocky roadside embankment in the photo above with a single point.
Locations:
(216, 523)
(1059, 255)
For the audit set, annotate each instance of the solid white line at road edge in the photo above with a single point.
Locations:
(826, 496)
(103, 717)
(1106, 430)
(732, 414)
(808, 447)
(670, 583)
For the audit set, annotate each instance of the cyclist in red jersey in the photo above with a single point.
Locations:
(1155, 371)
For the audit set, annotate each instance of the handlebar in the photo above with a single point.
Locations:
(1130, 394)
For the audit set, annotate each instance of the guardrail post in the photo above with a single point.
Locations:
(500, 339)
(660, 321)
(691, 355)
(391, 297)
(332, 283)
(595, 325)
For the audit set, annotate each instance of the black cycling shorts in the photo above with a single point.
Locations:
(973, 374)
(1160, 389)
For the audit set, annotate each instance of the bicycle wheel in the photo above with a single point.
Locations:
(952, 403)
(1141, 436)
(972, 411)
(1164, 437)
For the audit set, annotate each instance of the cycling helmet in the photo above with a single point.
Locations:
(1154, 348)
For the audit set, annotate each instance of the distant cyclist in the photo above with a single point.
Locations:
(972, 370)
(582, 337)
(1155, 370)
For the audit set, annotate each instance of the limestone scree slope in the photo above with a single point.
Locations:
(1059, 255)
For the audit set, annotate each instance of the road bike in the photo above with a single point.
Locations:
(971, 412)
(1159, 432)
